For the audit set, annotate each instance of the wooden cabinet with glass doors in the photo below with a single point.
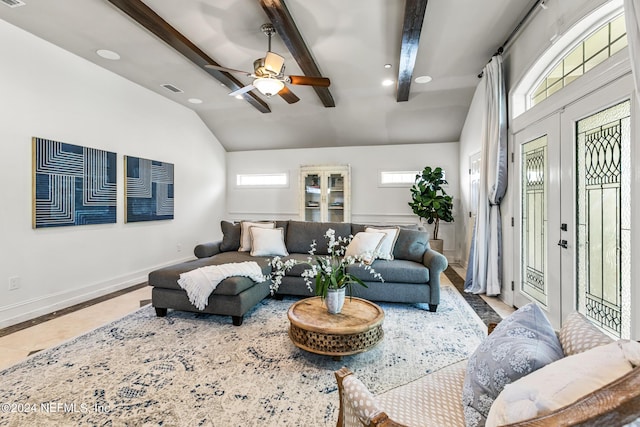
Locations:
(325, 193)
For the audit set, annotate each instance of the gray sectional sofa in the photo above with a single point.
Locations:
(412, 276)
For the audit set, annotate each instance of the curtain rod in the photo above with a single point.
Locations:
(538, 3)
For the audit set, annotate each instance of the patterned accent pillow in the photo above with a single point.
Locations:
(522, 343)
(578, 334)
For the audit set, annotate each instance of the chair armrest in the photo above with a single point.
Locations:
(358, 407)
(436, 263)
(205, 250)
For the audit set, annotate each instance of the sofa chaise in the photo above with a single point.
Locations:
(412, 276)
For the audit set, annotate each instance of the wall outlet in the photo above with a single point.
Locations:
(179, 247)
(14, 283)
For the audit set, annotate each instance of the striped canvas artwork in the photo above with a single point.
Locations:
(73, 185)
(148, 189)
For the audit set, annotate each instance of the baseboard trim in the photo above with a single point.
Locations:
(44, 305)
(52, 315)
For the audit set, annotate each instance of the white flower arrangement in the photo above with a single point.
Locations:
(327, 271)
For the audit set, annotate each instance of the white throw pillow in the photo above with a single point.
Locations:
(245, 235)
(563, 382)
(386, 247)
(365, 246)
(267, 242)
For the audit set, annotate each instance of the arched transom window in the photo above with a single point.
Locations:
(589, 52)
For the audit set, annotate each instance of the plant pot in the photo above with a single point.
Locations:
(334, 300)
(437, 245)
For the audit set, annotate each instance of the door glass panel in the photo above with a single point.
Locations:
(312, 197)
(336, 197)
(603, 241)
(534, 219)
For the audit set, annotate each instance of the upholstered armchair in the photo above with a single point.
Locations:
(605, 397)
(428, 402)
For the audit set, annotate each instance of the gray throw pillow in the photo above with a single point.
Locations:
(411, 245)
(522, 343)
(230, 236)
(300, 234)
(357, 228)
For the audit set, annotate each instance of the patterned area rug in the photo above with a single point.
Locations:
(189, 369)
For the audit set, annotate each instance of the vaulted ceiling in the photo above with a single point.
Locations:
(169, 42)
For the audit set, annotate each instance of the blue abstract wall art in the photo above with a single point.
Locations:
(72, 185)
(148, 190)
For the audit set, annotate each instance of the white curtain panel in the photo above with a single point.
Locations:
(632, 19)
(484, 271)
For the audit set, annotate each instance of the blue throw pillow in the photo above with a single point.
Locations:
(520, 344)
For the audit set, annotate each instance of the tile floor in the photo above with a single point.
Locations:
(16, 346)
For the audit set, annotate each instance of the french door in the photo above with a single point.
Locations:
(538, 148)
(574, 223)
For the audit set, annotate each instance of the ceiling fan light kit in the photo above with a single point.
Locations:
(268, 74)
(268, 86)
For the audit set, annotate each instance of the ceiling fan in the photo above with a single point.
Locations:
(269, 77)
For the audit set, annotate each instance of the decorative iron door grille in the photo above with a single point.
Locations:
(534, 219)
(603, 213)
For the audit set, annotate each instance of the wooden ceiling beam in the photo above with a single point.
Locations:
(414, 12)
(145, 16)
(285, 26)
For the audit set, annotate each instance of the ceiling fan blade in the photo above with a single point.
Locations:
(309, 81)
(288, 96)
(242, 90)
(228, 70)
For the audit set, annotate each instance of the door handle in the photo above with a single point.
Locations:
(563, 243)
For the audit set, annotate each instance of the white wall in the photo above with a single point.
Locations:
(370, 202)
(470, 144)
(50, 93)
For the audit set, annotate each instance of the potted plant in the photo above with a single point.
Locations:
(429, 201)
(327, 272)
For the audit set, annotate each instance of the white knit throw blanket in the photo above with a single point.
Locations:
(201, 282)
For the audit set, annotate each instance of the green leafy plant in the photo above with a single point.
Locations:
(429, 200)
(325, 271)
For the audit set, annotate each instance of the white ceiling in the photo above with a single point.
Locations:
(351, 40)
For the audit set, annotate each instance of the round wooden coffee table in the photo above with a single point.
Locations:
(356, 329)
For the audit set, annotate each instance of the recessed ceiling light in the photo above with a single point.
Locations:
(195, 100)
(387, 82)
(387, 65)
(108, 54)
(239, 97)
(423, 79)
